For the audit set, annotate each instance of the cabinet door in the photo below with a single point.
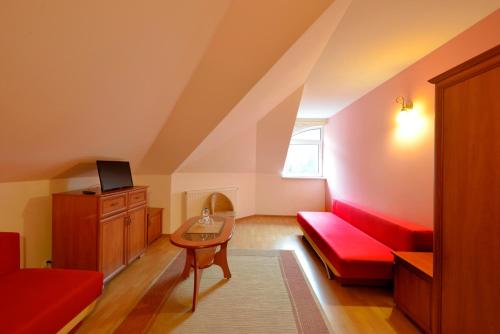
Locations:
(413, 293)
(112, 239)
(136, 233)
(154, 227)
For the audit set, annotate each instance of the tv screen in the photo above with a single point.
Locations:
(114, 174)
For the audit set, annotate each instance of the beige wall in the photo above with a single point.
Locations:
(26, 207)
(158, 194)
(375, 162)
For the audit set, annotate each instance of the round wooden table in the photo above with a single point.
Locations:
(205, 245)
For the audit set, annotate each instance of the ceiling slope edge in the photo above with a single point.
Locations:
(377, 40)
(288, 74)
(240, 54)
(274, 132)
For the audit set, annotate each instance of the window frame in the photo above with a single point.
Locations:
(318, 142)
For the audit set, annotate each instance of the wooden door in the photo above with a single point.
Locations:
(467, 212)
(112, 240)
(136, 233)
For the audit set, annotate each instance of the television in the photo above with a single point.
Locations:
(114, 175)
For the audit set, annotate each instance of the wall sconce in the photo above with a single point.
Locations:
(406, 115)
(411, 122)
(405, 106)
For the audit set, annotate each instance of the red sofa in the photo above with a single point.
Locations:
(357, 245)
(42, 300)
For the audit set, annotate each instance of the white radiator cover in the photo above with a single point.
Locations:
(195, 200)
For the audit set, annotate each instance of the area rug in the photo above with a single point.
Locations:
(267, 293)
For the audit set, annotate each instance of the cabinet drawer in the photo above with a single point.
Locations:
(113, 204)
(137, 197)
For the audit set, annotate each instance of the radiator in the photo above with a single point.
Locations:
(196, 200)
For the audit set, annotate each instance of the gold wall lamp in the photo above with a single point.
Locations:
(405, 105)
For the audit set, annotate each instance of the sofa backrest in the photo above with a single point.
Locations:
(9, 252)
(397, 235)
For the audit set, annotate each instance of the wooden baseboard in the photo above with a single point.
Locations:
(264, 216)
(76, 320)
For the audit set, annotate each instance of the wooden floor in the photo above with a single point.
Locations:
(349, 309)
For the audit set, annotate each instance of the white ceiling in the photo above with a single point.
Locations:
(376, 40)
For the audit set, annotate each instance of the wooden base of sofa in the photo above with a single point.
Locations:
(332, 272)
(73, 324)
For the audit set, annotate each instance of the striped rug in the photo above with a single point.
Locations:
(266, 294)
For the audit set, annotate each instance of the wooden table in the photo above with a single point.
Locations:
(204, 249)
(413, 286)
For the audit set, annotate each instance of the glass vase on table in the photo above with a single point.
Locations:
(205, 217)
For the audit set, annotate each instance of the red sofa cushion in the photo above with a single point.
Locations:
(9, 252)
(398, 235)
(44, 300)
(353, 253)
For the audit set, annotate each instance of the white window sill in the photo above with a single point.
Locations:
(299, 177)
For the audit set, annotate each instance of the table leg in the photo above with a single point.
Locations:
(221, 260)
(187, 265)
(197, 279)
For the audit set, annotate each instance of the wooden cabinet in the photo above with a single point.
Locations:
(413, 286)
(155, 222)
(101, 231)
(467, 197)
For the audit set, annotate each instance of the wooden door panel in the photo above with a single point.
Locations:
(112, 239)
(471, 205)
(136, 233)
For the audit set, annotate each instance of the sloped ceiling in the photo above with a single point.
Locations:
(164, 83)
(286, 76)
(274, 132)
(252, 36)
(260, 147)
(81, 80)
(237, 155)
(141, 81)
(378, 39)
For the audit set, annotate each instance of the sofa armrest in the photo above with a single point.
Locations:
(9, 252)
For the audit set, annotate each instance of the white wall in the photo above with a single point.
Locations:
(276, 195)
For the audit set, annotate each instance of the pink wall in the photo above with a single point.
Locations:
(373, 161)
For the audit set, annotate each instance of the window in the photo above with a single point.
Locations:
(305, 153)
